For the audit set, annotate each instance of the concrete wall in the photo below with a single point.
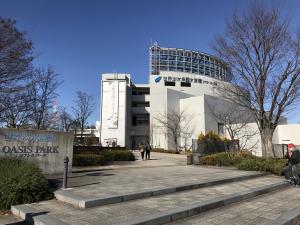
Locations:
(289, 133)
(166, 98)
(47, 148)
(114, 109)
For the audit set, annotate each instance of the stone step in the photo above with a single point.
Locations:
(160, 209)
(281, 207)
(88, 202)
(33, 216)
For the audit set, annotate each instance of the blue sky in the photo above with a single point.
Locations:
(83, 38)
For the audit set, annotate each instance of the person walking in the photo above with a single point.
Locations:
(142, 150)
(293, 156)
(148, 150)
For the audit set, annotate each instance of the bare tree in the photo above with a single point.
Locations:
(15, 66)
(186, 138)
(17, 109)
(151, 128)
(15, 56)
(84, 106)
(66, 120)
(176, 124)
(43, 92)
(75, 125)
(236, 122)
(264, 57)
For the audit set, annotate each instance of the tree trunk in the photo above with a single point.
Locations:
(266, 141)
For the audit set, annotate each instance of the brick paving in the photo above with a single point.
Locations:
(127, 211)
(11, 220)
(143, 175)
(261, 210)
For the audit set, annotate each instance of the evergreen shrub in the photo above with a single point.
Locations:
(245, 161)
(21, 182)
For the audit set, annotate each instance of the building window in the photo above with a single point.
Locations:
(221, 129)
(133, 120)
(169, 83)
(185, 84)
(140, 104)
(141, 92)
(140, 119)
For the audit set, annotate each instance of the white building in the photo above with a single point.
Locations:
(180, 81)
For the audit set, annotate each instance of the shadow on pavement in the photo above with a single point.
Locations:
(77, 180)
(89, 170)
(83, 185)
(17, 223)
(28, 218)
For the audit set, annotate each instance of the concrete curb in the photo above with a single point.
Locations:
(200, 207)
(288, 218)
(33, 216)
(82, 202)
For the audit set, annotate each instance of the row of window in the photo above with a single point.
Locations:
(162, 59)
(221, 75)
(178, 52)
(140, 119)
(182, 84)
(187, 63)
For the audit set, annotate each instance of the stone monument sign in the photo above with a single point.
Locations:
(47, 148)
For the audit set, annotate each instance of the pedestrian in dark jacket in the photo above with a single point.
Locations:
(293, 156)
(148, 150)
(142, 150)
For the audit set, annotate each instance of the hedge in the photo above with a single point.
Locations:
(211, 143)
(88, 160)
(245, 161)
(102, 158)
(165, 151)
(21, 182)
(118, 155)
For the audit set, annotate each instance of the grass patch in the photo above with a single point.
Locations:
(21, 182)
(245, 161)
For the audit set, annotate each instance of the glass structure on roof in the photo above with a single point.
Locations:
(182, 60)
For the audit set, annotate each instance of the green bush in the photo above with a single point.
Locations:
(245, 161)
(118, 155)
(161, 150)
(89, 141)
(250, 165)
(21, 182)
(100, 158)
(88, 160)
(212, 143)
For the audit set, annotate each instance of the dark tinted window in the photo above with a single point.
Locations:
(169, 83)
(185, 84)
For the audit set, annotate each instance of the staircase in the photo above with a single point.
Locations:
(250, 198)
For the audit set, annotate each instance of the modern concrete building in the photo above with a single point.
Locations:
(180, 82)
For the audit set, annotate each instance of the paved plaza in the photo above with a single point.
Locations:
(210, 203)
(126, 211)
(261, 210)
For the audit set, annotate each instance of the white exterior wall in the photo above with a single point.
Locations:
(193, 108)
(114, 109)
(193, 100)
(285, 134)
(164, 99)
